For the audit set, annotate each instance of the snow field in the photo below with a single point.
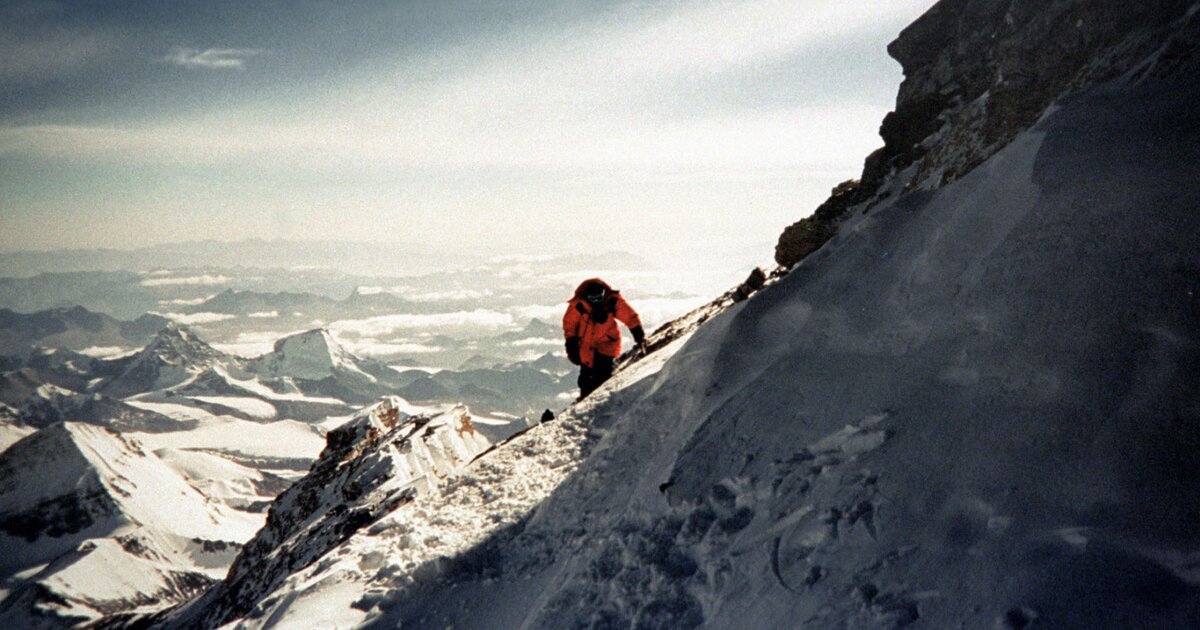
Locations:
(281, 441)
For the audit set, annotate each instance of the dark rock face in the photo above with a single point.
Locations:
(977, 72)
(808, 234)
(75, 328)
(61, 516)
(61, 406)
(981, 71)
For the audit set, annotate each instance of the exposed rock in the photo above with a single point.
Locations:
(808, 234)
(977, 72)
(755, 281)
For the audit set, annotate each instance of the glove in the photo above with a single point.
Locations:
(639, 338)
(573, 350)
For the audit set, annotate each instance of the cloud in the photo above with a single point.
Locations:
(535, 341)
(211, 58)
(189, 280)
(185, 302)
(264, 314)
(252, 344)
(543, 312)
(454, 295)
(375, 348)
(659, 310)
(36, 45)
(601, 95)
(191, 319)
(246, 350)
(383, 325)
(106, 352)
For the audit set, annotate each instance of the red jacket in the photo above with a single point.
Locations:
(602, 336)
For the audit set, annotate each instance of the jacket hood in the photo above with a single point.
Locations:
(585, 283)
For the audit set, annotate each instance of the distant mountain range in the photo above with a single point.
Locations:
(74, 328)
(79, 501)
(306, 376)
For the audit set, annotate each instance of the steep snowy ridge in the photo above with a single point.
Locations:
(378, 461)
(78, 503)
(455, 527)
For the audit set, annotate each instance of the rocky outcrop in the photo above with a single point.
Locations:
(977, 72)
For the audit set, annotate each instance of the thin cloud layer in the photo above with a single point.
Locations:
(384, 325)
(211, 58)
(203, 280)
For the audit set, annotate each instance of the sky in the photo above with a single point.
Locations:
(673, 126)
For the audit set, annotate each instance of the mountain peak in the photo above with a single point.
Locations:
(316, 339)
(177, 344)
(173, 356)
(312, 354)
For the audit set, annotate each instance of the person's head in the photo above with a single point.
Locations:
(595, 293)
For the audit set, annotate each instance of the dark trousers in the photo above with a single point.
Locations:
(592, 377)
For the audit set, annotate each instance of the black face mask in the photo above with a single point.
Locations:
(600, 309)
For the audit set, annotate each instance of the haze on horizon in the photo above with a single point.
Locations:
(590, 126)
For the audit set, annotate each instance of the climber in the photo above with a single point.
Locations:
(593, 339)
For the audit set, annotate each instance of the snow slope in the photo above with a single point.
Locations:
(978, 406)
(284, 446)
(50, 404)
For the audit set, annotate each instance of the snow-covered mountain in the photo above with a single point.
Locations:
(973, 404)
(307, 377)
(174, 357)
(91, 524)
(317, 364)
